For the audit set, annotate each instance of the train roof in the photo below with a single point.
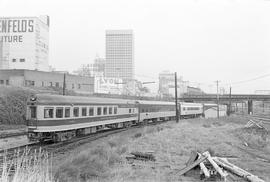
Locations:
(148, 102)
(190, 104)
(49, 99)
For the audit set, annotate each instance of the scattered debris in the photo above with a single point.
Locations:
(211, 168)
(214, 168)
(236, 170)
(258, 124)
(141, 156)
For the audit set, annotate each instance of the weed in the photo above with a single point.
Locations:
(206, 125)
(121, 150)
(112, 143)
(90, 165)
(137, 135)
(29, 166)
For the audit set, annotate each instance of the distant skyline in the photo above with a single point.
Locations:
(202, 40)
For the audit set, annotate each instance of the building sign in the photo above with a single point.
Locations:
(24, 43)
(108, 85)
(12, 30)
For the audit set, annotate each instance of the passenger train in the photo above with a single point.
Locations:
(59, 118)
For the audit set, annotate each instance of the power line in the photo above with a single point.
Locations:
(249, 80)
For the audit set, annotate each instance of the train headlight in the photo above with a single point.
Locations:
(33, 98)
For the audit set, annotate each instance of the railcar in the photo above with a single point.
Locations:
(190, 110)
(155, 111)
(59, 118)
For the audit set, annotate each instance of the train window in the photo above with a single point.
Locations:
(84, 111)
(105, 110)
(91, 111)
(142, 110)
(59, 112)
(33, 112)
(115, 110)
(67, 112)
(129, 110)
(76, 112)
(184, 108)
(48, 112)
(110, 110)
(99, 111)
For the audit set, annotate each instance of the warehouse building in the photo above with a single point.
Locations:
(24, 43)
(33, 78)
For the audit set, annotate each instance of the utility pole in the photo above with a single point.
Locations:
(217, 100)
(230, 101)
(64, 84)
(176, 102)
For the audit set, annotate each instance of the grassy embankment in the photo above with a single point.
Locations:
(104, 160)
(171, 144)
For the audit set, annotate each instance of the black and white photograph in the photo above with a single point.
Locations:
(134, 90)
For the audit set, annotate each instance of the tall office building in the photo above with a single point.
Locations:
(24, 43)
(119, 54)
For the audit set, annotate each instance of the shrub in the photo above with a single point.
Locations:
(206, 125)
(13, 105)
(137, 135)
(112, 143)
(121, 150)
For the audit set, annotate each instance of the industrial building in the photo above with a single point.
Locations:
(33, 78)
(119, 54)
(24, 43)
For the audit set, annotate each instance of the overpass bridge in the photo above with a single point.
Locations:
(225, 97)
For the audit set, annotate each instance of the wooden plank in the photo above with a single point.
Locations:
(194, 164)
(237, 170)
(217, 168)
(145, 156)
(193, 157)
(203, 168)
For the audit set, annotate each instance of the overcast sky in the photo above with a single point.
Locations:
(202, 40)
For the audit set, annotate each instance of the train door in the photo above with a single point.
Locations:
(32, 116)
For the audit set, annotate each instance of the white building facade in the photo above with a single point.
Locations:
(167, 85)
(24, 43)
(108, 85)
(119, 54)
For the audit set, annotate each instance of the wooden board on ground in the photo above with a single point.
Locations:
(191, 166)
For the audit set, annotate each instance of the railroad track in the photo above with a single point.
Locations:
(3, 136)
(264, 118)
